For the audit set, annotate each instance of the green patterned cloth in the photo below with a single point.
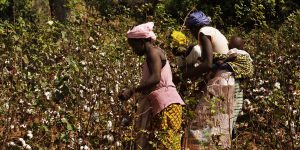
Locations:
(242, 65)
(238, 101)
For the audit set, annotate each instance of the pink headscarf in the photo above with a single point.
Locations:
(142, 31)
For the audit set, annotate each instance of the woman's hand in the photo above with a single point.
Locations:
(125, 94)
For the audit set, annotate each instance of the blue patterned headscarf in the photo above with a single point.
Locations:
(198, 19)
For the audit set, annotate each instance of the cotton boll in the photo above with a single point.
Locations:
(81, 93)
(118, 144)
(22, 141)
(109, 138)
(112, 100)
(262, 89)
(27, 147)
(86, 108)
(295, 112)
(85, 147)
(83, 62)
(50, 22)
(117, 88)
(80, 141)
(29, 111)
(6, 105)
(11, 143)
(109, 125)
(29, 134)
(21, 101)
(277, 85)
(48, 95)
(247, 102)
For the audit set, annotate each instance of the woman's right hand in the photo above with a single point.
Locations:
(125, 94)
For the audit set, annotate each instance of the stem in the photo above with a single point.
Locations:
(193, 8)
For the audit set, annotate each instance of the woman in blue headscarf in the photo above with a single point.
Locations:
(211, 126)
(198, 22)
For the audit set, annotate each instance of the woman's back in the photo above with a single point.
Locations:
(219, 41)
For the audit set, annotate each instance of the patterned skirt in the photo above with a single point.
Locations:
(166, 128)
(211, 127)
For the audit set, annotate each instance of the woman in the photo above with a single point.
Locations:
(198, 22)
(211, 126)
(157, 82)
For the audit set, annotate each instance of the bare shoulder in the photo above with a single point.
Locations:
(160, 52)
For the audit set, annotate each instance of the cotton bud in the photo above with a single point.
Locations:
(80, 141)
(277, 85)
(102, 54)
(262, 89)
(81, 93)
(29, 111)
(86, 108)
(94, 47)
(85, 147)
(109, 138)
(295, 112)
(109, 125)
(11, 144)
(22, 141)
(247, 102)
(112, 100)
(118, 144)
(50, 22)
(29, 134)
(117, 88)
(27, 147)
(48, 95)
(110, 114)
(21, 101)
(89, 134)
(6, 105)
(83, 62)
(91, 39)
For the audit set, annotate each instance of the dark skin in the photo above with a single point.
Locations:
(205, 42)
(207, 63)
(235, 42)
(154, 58)
(195, 30)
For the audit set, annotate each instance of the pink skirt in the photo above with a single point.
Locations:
(212, 126)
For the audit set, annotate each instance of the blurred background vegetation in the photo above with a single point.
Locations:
(63, 62)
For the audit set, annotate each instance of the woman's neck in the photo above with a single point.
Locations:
(148, 46)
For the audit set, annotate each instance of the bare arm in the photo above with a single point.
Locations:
(154, 64)
(207, 56)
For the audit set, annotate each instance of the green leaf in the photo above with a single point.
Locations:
(25, 59)
(45, 128)
(69, 126)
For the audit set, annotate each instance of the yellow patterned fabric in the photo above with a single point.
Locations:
(242, 66)
(166, 127)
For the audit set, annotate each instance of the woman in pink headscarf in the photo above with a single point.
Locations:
(165, 102)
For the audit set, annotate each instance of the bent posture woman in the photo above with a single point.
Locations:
(211, 126)
(164, 100)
